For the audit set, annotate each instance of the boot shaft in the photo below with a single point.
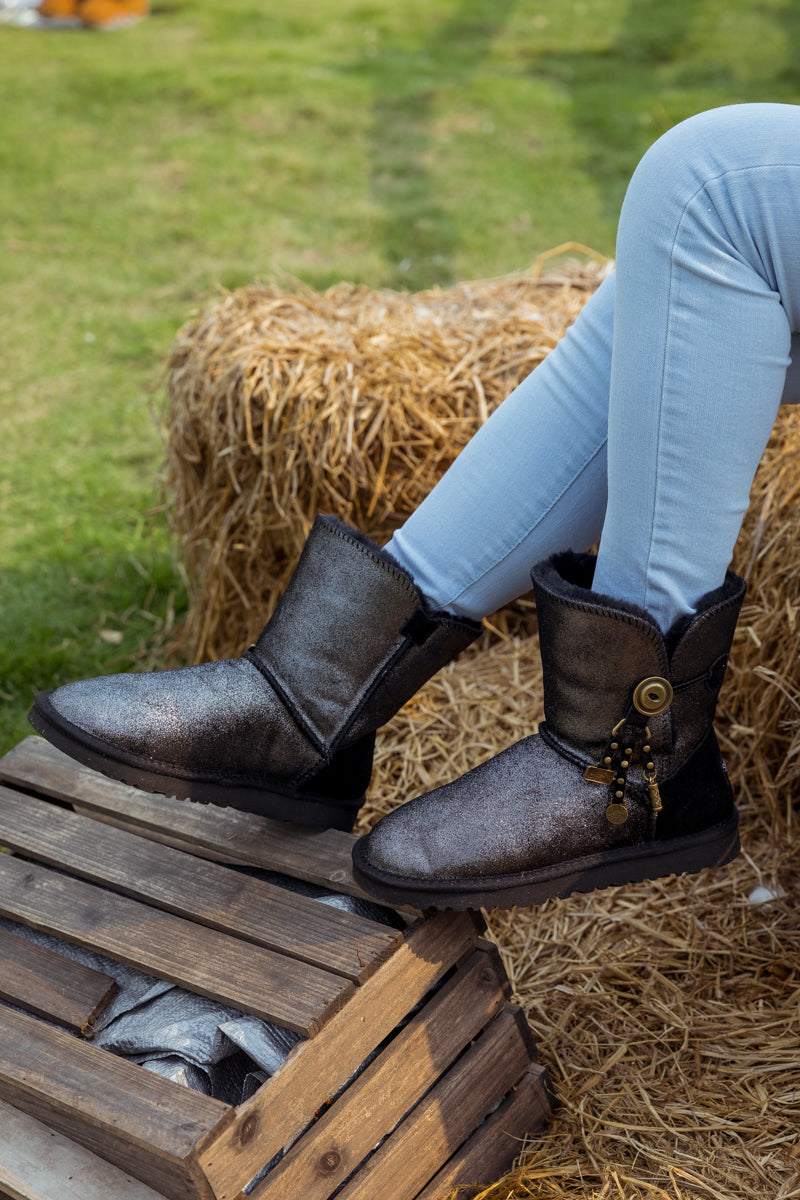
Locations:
(606, 664)
(352, 640)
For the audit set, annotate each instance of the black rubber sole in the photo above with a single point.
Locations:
(317, 812)
(629, 864)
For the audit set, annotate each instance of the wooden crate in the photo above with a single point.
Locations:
(450, 1091)
(38, 1164)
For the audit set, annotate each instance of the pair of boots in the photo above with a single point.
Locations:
(95, 14)
(623, 781)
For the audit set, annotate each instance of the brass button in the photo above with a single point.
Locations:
(652, 696)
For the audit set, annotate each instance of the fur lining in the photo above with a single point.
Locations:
(731, 590)
(569, 576)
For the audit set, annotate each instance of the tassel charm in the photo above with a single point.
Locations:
(612, 771)
(654, 793)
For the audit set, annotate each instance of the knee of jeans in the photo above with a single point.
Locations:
(674, 156)
(715, 141)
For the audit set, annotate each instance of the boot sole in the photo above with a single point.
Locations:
(318, 812)
(711, 847)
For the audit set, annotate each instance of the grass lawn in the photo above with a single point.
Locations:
(216, 143)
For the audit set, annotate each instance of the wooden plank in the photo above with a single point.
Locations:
(316, 1070)
(177, 882)
(142, 1123)
(50, 985)
(491, 1150)
(441, 1122)
(392, 1084)
(248, 977)
(318, 856)
(36, 1163)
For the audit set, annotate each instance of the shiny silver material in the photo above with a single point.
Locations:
(287, 730)
(200, 719)
(525, 808)
(539, 819)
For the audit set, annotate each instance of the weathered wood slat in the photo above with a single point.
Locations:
(318, 856)
(207, 892)
(392, 1084)
(50, 985)
(248, 977)
(496, 1143)
(113, 869)
(36, 1163)
(316, 1069)
(441, 1122)
(137, 1120)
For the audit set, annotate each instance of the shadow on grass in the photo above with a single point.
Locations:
(613, 111)
(610, 93)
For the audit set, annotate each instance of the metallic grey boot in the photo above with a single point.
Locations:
(624, 780)
(287, 730)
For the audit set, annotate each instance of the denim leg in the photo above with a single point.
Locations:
(531, 481)
(708, 292)
(661, 396)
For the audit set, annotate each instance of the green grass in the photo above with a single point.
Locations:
(216, 143)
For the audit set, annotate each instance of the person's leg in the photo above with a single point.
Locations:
(624, 779)
(708, 291)
(530, 482)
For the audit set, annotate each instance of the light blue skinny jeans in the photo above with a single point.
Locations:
(645, 425)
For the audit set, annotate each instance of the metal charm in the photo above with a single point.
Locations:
(654, 793)
(612, 770)
(599, 775)
(617, 814)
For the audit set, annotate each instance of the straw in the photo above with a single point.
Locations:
(282, 404)
(667, 1012)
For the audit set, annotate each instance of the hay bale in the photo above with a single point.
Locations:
(285, 404)
(667, 1012)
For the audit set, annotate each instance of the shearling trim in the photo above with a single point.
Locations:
(734, 587)
(569, 575)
